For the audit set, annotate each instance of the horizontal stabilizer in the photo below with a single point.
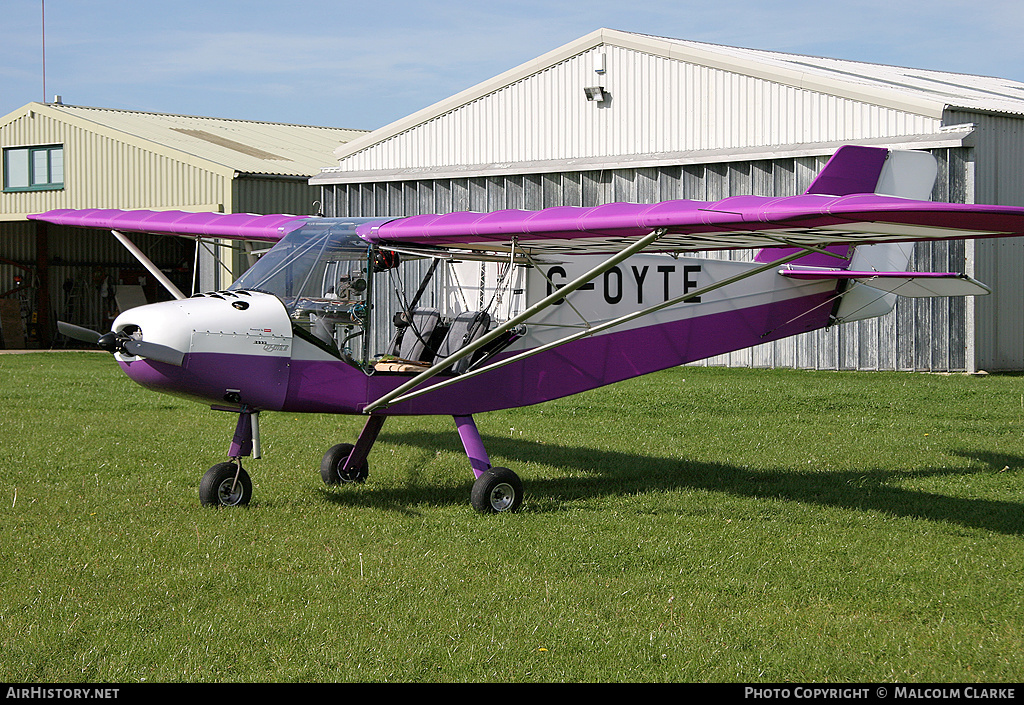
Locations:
(909, 284)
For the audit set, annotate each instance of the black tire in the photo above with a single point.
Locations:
(332, 462)
(497, 490)
(219, 488)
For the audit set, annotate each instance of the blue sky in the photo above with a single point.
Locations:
(365, 64)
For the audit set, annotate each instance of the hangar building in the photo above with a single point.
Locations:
(617, 116)
(64, 156)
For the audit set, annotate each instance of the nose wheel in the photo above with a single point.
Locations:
(225, 485)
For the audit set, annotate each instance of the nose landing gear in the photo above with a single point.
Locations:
(225, 485)
(228, 484)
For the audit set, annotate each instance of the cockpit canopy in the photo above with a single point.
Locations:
(321, 261)
(324, 274)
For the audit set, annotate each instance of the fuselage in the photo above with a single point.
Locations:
(243, 348)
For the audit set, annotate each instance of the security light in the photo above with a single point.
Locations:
(595, 93)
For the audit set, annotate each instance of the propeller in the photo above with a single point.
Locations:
(86, 335)
(153, 351)
(118, 342)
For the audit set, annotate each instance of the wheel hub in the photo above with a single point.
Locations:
(502, 496)
(229, 492)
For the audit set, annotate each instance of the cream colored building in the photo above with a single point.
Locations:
(65, 156)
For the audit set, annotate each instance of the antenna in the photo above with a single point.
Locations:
(42, 5)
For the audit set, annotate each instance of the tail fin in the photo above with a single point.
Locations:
(855, 169)
(852, 169)
(904, 174)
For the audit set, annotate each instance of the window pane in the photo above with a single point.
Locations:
(16, 168)
(40, 167)
(57, 165)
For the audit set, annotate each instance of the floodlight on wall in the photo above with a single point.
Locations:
(595, 93)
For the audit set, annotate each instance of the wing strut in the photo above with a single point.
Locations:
(600, 327)
(525, 315)
(148, 264)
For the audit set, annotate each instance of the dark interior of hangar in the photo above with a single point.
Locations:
(85, 277)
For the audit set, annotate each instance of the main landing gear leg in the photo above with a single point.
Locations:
(495, 489)
(348, 463)
(228, 484)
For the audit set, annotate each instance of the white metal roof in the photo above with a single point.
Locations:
(246, 147)
(945, 89)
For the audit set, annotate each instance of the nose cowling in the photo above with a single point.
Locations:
(234, 348)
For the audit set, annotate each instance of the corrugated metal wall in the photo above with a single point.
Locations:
(272, 194)
(998, 179)
(657, 105)
(100, 171)
(927, 334)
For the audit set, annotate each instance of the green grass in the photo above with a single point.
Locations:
(694, 525)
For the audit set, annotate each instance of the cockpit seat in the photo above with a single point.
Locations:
(465, 328)
(416, 338)
(414, 351)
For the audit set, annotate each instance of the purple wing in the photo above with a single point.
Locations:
(733, 223)
(238, 226)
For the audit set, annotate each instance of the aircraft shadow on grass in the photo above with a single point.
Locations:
(608, 472)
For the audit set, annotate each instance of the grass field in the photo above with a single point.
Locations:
(699, 524)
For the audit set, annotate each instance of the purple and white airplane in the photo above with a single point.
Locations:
(537, 305)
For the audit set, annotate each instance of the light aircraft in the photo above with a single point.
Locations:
(513, 308)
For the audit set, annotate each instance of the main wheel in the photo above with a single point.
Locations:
(221, 488)
(497, 490)
(334, 460)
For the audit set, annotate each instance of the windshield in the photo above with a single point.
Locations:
(298, 265)
(322, 274)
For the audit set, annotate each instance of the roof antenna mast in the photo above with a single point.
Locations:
(42, 6)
